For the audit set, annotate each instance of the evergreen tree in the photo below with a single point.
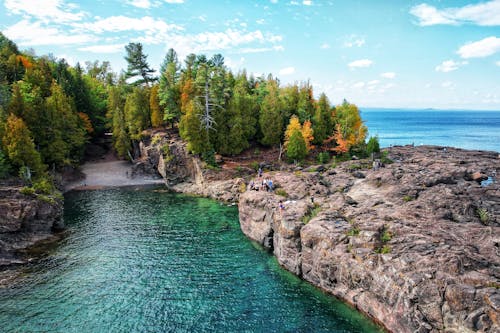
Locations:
(305, 104)
(270, 116)
(169, 91)
(296, 147)
(16, 105)
(137, 64)
(322, 121)
(191, 129)
(137, 115)
(116, 104)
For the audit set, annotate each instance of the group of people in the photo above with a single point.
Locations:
(264, 185)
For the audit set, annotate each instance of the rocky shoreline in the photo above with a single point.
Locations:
(414, 244)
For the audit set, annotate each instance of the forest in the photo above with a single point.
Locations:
(50, 110)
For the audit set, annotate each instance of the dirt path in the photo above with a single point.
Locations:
(109, 174)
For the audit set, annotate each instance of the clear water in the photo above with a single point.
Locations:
(143, 261)
(478, 130)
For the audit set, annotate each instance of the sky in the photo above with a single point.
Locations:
(392, 53)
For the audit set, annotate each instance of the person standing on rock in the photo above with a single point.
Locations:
(260, 172)
(281, 208)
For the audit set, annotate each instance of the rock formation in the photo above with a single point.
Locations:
(414, 244)
(24, 221)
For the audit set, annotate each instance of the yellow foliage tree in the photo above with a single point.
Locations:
(293, 125)
(307, 134)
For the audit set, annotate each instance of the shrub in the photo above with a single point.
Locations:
(408, 198)
(281, 192)
(386, 236)
(156, 139)
(384, 249)
(254, 165)
(43, 186)
(373, 145)
(209, 158)
(243, 187)
(26, 190)
(354, 231)
(324, 157)
(311, 213)
(484, 217)
(385, 158)
(165, 151)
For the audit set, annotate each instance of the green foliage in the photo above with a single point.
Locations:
(271, 123)
(137, 65)
(44, 186)
(296, 148)
(26, 190)
(154, 106)
(385, 236)
(322, 121)
(209, 158)
(311, 213)
(281, 192)
(170, 88)
(385, 158)
(408, 198)
(324, 157)
(484, 216)
(5, 167)
(156, 139)
(384, 249)
(137, 115)
(354, 231)
(165, 150)
(255, 165)
(373, 145)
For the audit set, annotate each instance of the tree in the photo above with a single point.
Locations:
(137, 64)
(116, 103)
(349, 129)
(191, 129)
(373, 146)
(296, 147)
(20, 147)
(137, 115)
(169, 91)
(322, 121)
(154, 106)
(307, 134)
(270, 116)
(293, 125)
(305, 104)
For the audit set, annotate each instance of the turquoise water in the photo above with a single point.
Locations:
(143, 261)
(478, 130)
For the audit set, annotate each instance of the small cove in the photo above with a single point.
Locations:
(145, 261)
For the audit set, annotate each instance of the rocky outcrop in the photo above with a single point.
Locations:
(414, 244)
(164, 153)
(24, 221)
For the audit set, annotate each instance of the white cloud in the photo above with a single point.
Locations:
(307, 2)
(124, 23)
(354, 40)
(111, 48)
(26, 33)
(497, 63)
(388, 75)
(261, 21)
(449, 65)
(360, 63)
(480, 49)
(373, 82)
(325, 46)
(287, 71)
(274, 1)
(358, 85)
(483, 14)
(140, 3)
(234, 65)
(174, 1)
(261, 49)
(47, 10)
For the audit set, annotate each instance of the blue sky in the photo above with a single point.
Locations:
(413, 54)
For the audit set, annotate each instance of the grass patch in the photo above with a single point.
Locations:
(385, 158)
(26, 190)
(355, 166)
(384, 249)
(156, 139)
(281, 192)
(408, 198)
(354, 231)
(311, 213)
(386, 236)
(484, 217)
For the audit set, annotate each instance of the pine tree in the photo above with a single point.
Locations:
(270, 116)
(322, 121)
(116, 103)
(137, 64)
(137, 115)
(169, 91)
(306, 103)
(191, 129)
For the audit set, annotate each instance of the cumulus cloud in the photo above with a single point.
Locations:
(360, 63)
(447, 84)
(111, 48)
(287, 71)
(124, 23)
(497, 63)
(449, 65)
(480, 49)
(46, 11)
(358, 85)
(483, 14)
(388, 75)
(140, 3)
(174, 1)
(307, 2)
(26, 33)
(325, 46)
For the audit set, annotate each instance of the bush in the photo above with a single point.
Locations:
(384, 249)
(324, 157)
(311, 213)
(484, 217)
(281, 192)
(373, 145)
(209, 158)
(43, 186)
(26, 190)
(255, 165)
(408, 198)
(156, 139)
(386, 236)
(385, 158)
(354, 231)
